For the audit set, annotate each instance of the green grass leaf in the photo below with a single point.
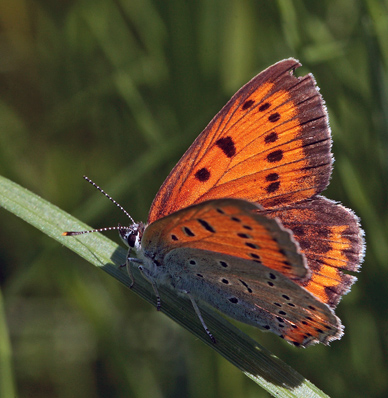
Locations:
(246, 354)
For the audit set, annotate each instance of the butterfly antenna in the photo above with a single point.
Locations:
(110, 198)
(72, 233)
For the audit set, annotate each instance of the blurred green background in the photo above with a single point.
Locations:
(117, 90)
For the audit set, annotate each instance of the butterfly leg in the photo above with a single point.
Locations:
(199, 315)
(145, 274)
(127, 265)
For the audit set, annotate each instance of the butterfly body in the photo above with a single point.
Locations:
(239, 223)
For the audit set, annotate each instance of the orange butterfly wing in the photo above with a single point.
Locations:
(331, 240)
(228, 226)
(259, 147)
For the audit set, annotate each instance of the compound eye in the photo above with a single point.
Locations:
(131, 239)
(131, 235)
(128, 236)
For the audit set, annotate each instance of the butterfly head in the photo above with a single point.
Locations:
(132, 235)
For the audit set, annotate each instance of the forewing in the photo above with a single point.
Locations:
(229, 226)
(269, 144)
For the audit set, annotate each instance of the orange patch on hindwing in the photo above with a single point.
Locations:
(330, 239)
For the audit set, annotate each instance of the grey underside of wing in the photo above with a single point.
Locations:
(243, 289)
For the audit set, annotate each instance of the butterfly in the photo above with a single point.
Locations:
(239, 223)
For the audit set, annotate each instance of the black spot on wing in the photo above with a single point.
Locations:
(264, 107)
(247, 104)
(274, 117)
(246, 286)
(244, 236)
(272, 177)
(273, 187)
(271, 137)
(252, 245)
(275, 156)
(206, 225)
(255, 256)
(188, 231)
(202, 175)
(227, 146)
